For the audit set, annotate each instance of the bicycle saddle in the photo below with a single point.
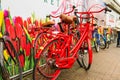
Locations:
(48, 24)
(67, 19)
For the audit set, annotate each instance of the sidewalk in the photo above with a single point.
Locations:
(106, 66)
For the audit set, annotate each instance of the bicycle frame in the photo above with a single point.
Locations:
(5, 71)
(85, 37)
(63, 61)
(68, 61)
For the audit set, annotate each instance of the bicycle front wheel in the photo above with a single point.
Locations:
(11, 69)
(108, 40)
(86, 52)
(96, 46)
(102, 42)
(45, 68)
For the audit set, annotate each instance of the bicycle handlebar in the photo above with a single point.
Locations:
(88, 12)
(106, 9)
(64, 13)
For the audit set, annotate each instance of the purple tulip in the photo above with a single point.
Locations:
(6, 13)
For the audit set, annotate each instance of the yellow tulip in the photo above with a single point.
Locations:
(1, 18)
(5, 53)
(0, 35)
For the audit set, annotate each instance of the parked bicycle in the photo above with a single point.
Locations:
(57, 54)
(98, 40)
(9, 62)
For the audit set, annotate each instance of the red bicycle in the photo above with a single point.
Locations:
(58, 54)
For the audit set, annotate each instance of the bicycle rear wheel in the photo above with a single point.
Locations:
(12, 69)
(45, 68)
(3, 72)
(41, 39)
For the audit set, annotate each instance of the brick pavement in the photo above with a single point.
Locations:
(106, 66)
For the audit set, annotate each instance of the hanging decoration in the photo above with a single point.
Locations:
(66, 5)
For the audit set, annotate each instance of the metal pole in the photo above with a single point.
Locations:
(0, 5)
(1, 53)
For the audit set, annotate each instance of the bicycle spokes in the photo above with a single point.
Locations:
(45, 65)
